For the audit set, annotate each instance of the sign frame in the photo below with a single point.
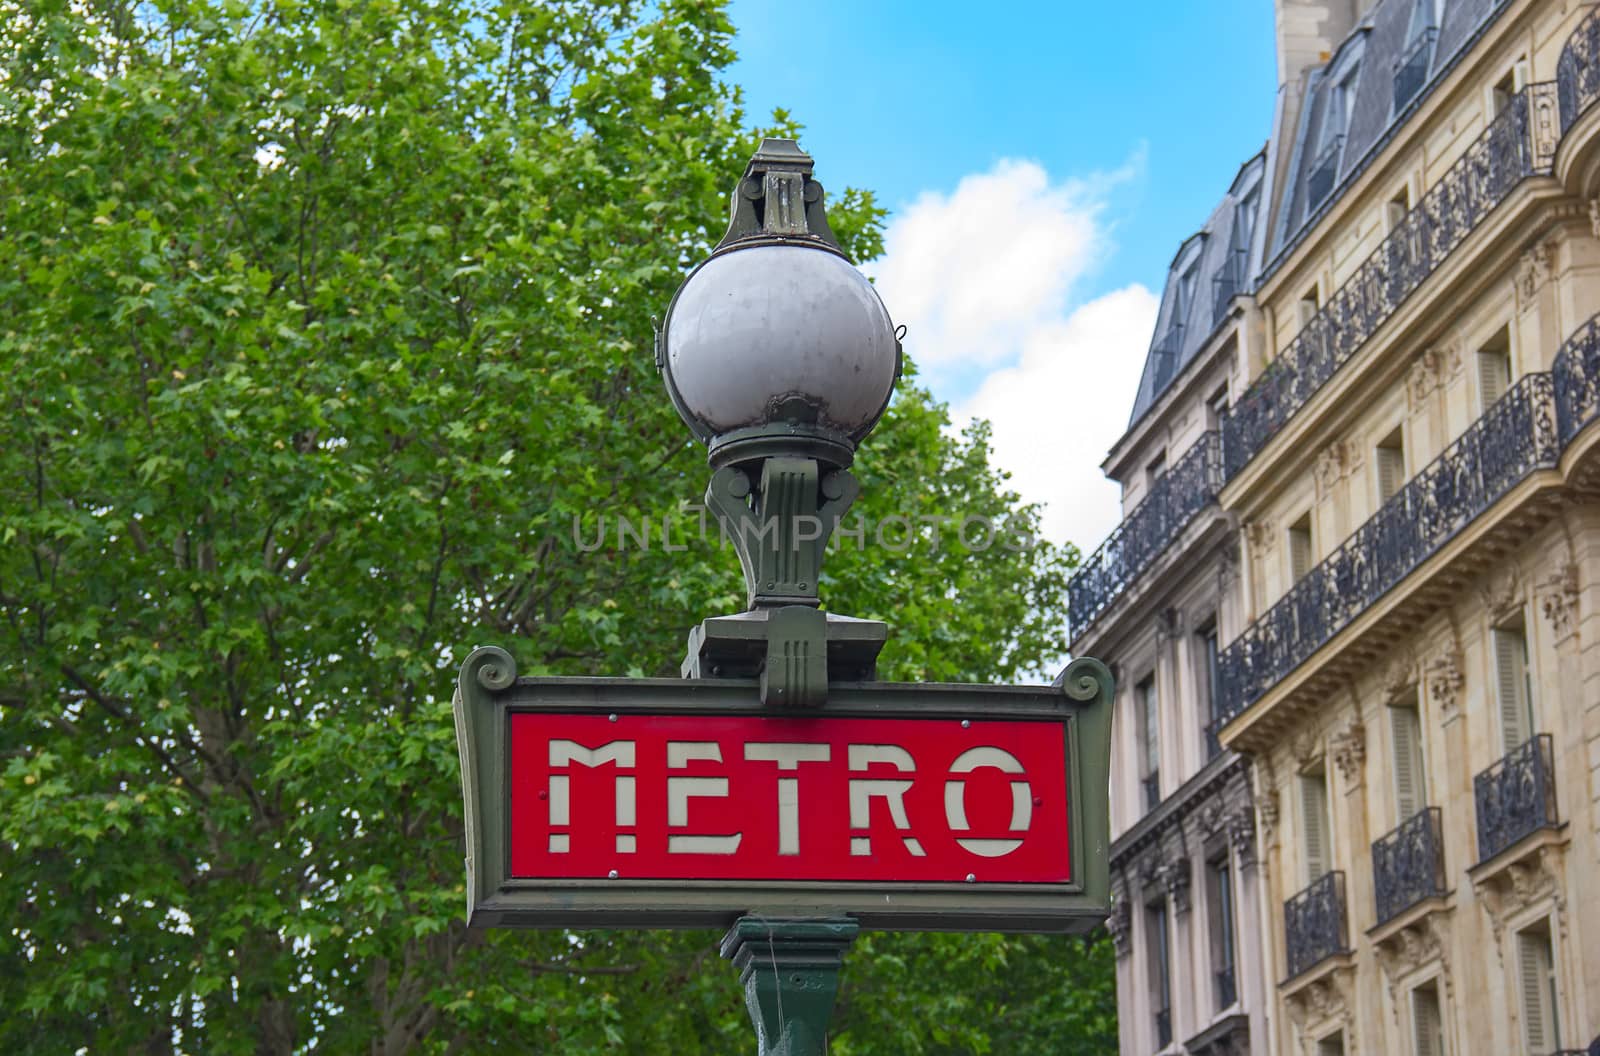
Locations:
(489, 692)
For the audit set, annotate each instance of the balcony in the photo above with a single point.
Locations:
(1314, 924)
(1578, 71)
(1480, 180)
(1513, 438)
(1515, 797)
(1411, 68)
(1182, 492)
(1408, 864)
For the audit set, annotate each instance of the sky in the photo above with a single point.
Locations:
(1041, 163)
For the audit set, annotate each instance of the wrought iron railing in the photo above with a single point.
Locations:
(1411, 68)
(1314, 924)
(1501, 157)
(1188, 487)
(1578, 70)
(1577, 378)
(1514, 437)
(1408, 864)
(1515, 797)
(1228, 283)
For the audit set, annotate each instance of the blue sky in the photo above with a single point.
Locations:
(1060, 151)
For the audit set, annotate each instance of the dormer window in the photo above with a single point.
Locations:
(1411, 67)
(1341, 102)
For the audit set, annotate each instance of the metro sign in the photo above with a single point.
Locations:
(666, 802)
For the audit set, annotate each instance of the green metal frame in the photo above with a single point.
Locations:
(489, 692)
(790, 973)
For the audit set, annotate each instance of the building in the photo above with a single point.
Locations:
(1354, 604)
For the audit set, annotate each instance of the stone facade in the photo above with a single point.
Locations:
(1356, 788)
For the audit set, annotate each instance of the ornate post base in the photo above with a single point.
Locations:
(790, 972)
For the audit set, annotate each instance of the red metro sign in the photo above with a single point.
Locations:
(667, 803)
(673, 797)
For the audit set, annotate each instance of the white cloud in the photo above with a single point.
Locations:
(972, 272)
(1063, 404)
(983, 279)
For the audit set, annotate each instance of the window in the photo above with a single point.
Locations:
(1314, 823)
(1494, 368)
(1541, 1027)
(1155, 469)
(1150, 740)
(1206, 639)
(1394, 213)
(1389, 460)
(1427, 1023)
(1507, 87)
(1410, 783)
(1513, 683)
(1411, 67)
(1216, 408)
(1335, 120)
(1160, 971)
(1220, 900)
(1306, 308)
(1300, 548)
(1332, 1045)
(1186, 285)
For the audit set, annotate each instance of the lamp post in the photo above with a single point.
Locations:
(780, 357)
(743, 793)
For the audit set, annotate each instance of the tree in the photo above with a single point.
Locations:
(325, 344)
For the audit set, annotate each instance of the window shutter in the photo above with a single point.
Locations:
(1494, 377)
(1511, 662)
(1391, 472)
(1299, 553)
(1314, 804)
(1425, 1020)
(1537, 1019)
(1407, 762)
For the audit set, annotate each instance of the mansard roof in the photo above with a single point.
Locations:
(1210, 266)
(1388, 64)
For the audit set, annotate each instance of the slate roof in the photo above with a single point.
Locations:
(1221, 258)
(1375, 49)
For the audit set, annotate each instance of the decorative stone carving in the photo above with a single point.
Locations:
(1594, 215)
(1120, 924)
(1445, 684)
(1323, 1005)
(1558, 599)
(1400, 677)
(1521, 885)
(1169, 624)
(1533, 269)
(1423, 376)
(1333, 463)
(1501, 593)
(1208, 819)
(1242, 837)
(1349, 750)
(1306, 746)
(1175, 877)
(1267, 811)
(1262, 537)
(1413, 948)
(1227, 569)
